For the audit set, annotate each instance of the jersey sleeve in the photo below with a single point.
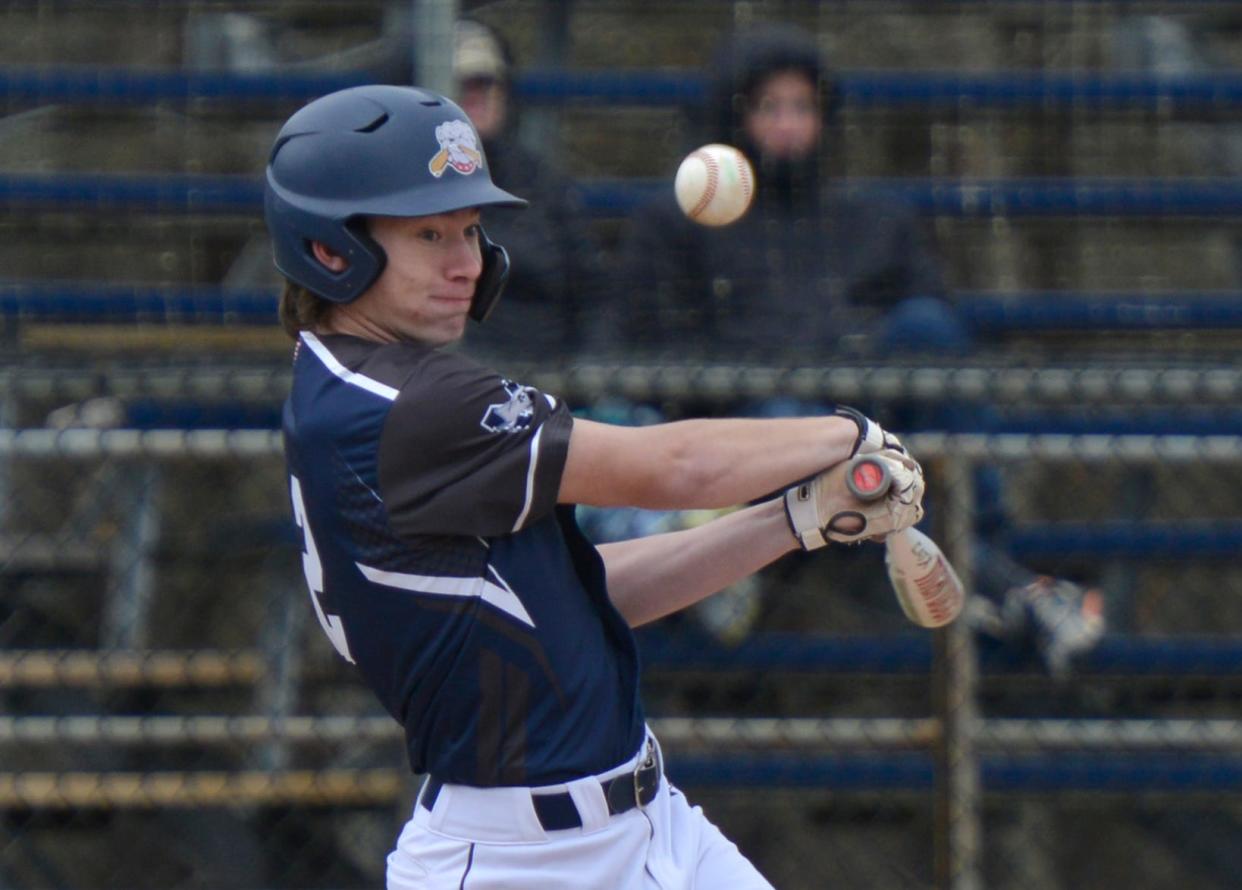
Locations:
(465, 451)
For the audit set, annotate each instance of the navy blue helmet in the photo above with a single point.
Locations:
(374, 151)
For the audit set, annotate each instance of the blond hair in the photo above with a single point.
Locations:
(301, 310)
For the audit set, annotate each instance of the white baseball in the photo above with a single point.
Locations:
(715, 185)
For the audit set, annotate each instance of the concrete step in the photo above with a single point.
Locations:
(998, 254)
(877, 34)
(161, 33)
(620, 141)
(1089, 254)
(130, 140)
(111, 246)
(41, 553)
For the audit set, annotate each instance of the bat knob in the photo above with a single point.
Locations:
(868, 479)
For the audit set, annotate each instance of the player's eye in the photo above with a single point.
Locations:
(429, 235)
(472, 231)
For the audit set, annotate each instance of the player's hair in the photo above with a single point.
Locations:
(300, 309)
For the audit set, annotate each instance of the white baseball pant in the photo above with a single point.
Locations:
(491, 839)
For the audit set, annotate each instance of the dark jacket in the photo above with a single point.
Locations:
(556, 261)
(809, 269)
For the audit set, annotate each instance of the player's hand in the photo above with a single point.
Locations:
(822, 509)
(871, 436)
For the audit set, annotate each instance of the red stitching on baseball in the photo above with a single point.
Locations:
(713, 179)
(743, 173)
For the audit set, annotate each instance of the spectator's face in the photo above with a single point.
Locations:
(783, 118)
(425, 290)
(485, 101)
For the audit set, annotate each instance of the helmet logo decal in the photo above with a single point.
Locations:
(459, 149)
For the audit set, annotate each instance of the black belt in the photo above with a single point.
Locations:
(558, 812)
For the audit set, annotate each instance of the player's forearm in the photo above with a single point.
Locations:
(655, 576)
(746, 459)
(699, 463)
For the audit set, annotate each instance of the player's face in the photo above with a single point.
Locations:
(425, 290)
(784, 119)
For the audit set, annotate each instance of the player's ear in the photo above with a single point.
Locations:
(328, 258)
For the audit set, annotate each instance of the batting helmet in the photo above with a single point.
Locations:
(374, 151)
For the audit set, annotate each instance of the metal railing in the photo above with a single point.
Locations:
(1049, 92)
(954, 751)
(964, 198)
(983, 312)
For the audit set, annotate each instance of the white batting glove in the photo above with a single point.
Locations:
(822, 509)
(871, 436)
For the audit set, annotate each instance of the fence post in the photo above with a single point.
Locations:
(433, 44)
(958, 832)
(131, 583)
(282, 644)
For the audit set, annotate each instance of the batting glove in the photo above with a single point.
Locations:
(871, 436)
(822, 509)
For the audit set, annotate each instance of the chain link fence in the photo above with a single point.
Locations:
(172, 717)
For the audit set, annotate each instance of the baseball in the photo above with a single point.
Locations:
(715, 185)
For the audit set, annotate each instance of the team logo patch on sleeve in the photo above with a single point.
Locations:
(459, 149)
(514, 414)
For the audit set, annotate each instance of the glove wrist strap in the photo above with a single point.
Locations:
(864, 425)
(803, 517)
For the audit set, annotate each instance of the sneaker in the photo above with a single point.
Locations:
(985, 617)
(1065, 620)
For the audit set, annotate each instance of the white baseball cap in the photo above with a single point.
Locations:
(477, 53)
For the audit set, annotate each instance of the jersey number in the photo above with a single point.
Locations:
(313, 570)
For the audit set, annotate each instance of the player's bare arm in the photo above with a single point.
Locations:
(654, 576)
(693, 464)
(657, 575)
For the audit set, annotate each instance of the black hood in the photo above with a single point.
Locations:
(740, 65)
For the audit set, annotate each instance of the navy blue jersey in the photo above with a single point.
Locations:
(439, 562)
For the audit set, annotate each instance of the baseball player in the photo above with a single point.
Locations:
(435, 501)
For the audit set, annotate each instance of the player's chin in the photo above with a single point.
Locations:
(448, 307)
(451, 328)
(438, 331)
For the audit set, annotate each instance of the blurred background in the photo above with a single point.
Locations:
(1011, 235)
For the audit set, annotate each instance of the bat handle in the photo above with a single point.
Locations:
(867, 478)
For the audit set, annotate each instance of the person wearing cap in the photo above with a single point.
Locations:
(434, 498)
(557, 263)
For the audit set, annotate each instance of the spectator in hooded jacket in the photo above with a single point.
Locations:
(556, 262)
(810, 269)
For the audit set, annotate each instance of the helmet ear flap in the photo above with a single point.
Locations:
(366, 261)
(293, 229)
(492, 280)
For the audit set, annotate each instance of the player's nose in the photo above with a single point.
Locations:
(465, 259)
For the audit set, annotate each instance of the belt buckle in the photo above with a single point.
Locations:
(647, 762)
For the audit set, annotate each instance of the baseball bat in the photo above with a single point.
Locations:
(927, 587)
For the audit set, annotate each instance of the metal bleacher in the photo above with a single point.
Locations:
(1143, 410)
(933, 92)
